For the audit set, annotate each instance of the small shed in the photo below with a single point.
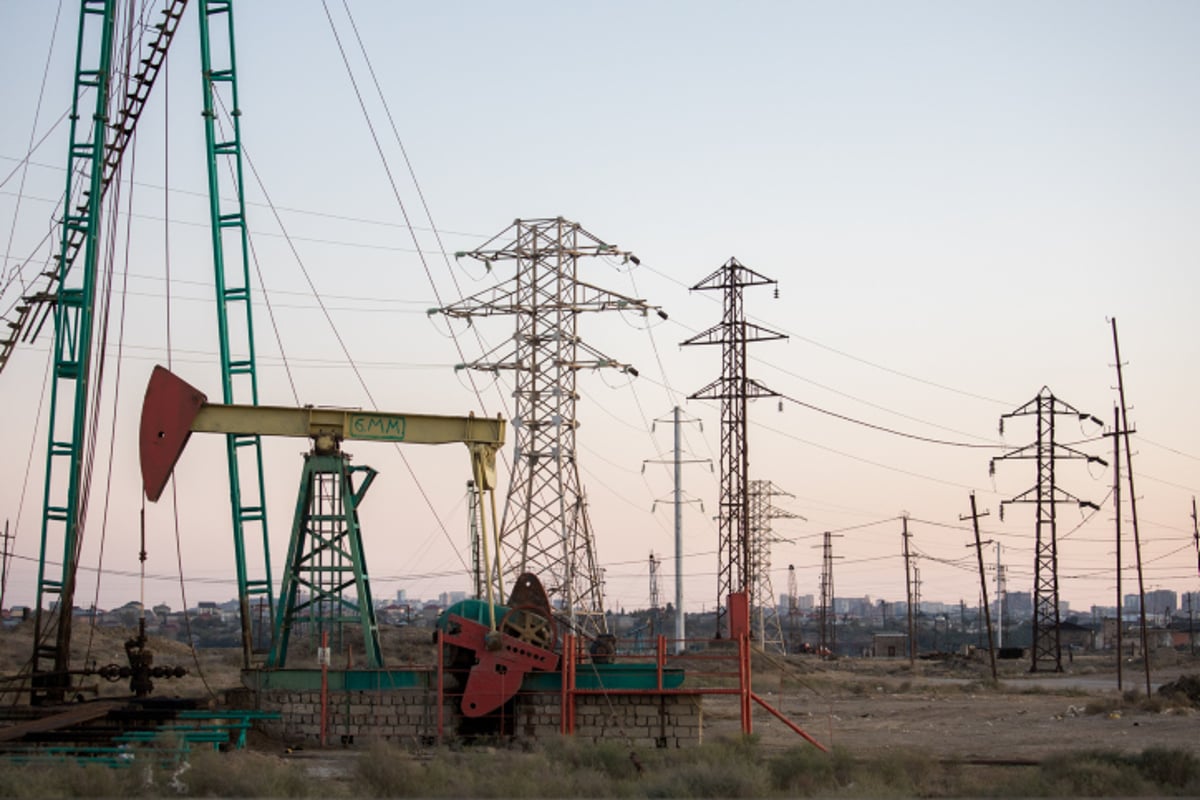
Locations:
(889, 645)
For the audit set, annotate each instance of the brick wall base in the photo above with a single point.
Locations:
(410, 716)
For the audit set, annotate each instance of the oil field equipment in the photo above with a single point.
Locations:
(325, 553)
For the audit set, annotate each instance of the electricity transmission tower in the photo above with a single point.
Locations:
(734, 388)
(828, 614)
(764, 606)
(546, 529)
(1046, 495)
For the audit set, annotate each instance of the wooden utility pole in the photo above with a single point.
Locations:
(1196, 540)
(1137, 542)
(908, 588)
(1196, 533)
(975, 515)
(5, 557)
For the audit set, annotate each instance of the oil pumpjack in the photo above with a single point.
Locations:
(491, 647)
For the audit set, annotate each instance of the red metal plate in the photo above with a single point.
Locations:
(739, 614)
(168, 409)
(497, 674)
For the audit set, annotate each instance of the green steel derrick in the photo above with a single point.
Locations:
(326, 561)
(239, 381)
(36, 305)
(70, 392)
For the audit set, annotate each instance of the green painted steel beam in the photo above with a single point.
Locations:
(70, 391)
(326, 560)
(231, 268)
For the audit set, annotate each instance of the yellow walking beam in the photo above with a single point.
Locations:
(173, 410)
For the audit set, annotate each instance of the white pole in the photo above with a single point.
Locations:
(679, 632)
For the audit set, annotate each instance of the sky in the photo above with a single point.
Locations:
(955, 200)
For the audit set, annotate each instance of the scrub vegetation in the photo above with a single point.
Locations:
(738, 767)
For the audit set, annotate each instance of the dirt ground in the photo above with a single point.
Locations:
(949, 711)
(947, 708)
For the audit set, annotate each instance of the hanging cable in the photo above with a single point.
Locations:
(24, 168)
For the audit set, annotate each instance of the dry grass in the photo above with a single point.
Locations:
(735, 767)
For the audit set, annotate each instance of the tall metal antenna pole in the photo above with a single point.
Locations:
(1137, 542)
(678, 502)
(975, 515)
(734, 389)
(546, 528)
(1047, 643)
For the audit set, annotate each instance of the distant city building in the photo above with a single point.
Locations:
(852, 606)
(1189, 602)
(1160, 604)
(1018, 605)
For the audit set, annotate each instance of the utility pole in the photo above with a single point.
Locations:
(678, 461)
(5, 562)
(828, 614)
(1191, 630)
(1117, 512)
(979, 628)
(764, 609)
(654, 610)
(734, 389)
(1196, 533)
(546, 528)
(975, 515)
(1047, 644)
(917, 594)
(1196, 541)
(1137, 542)
(908, 591)
(1000, 588)
(793, 607)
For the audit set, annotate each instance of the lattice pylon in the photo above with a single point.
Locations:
(1046, 495)
(545, 527)
(733, 389)
(828, 641)
(766, 625)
